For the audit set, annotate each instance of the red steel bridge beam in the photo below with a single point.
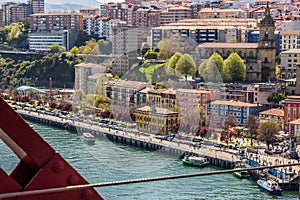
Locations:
(40, 166)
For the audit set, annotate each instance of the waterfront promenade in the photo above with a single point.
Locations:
(217, 156)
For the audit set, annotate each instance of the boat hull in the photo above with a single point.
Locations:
(195, 161)
(269, 190)
(241, 174)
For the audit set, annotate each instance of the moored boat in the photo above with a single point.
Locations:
(89, 138)
(241, 174)
(195, 161)
(270, 186)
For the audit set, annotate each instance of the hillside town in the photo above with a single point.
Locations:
(218, 79)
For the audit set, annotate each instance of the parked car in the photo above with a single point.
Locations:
(291, 154)
(267, 151)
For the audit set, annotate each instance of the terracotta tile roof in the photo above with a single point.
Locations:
(233, 103)
(220, 45)
(273, 112)
(297, 121)
(163, 111)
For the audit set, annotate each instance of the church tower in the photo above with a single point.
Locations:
(267, 47)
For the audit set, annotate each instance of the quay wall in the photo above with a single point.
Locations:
(97, 131)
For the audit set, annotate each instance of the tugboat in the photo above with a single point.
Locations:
(270, 186)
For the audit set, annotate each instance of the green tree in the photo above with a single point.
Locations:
(54, 48)
(171, 63)
(15, 31)
(234, 68)
(116, 77)
(275, 98)
(79, 95)
(102, 102)
(145, 48)
(150, 55)
(202, 68)
(252, 125)
(74, 50)
(167, 47)
(186, 66)
(267, 132)
(214, 69)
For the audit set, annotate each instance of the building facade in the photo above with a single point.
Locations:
(192, 105)
(240, 111)
(289, 60)
(291, 109)
(83, 71)
(46, 22)
(41, 41)
(124, 94)
(289, 39)
(155, 120)
(275, 114)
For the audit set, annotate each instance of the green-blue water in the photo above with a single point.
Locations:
(107, 161)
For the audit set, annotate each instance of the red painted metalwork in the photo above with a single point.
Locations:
(40, 166)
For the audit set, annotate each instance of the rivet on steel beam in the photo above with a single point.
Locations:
(58, 166)
(73, 179)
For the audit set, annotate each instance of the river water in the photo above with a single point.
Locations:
(106, 161)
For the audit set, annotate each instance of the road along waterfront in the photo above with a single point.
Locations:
(108, 161)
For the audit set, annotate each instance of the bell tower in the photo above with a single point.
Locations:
(267, 47)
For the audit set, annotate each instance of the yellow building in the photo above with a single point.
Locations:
(155, 120)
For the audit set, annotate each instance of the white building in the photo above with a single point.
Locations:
(290, 40)
(289, 59)
(41, 41)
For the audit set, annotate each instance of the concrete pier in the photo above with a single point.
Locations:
(217, 157)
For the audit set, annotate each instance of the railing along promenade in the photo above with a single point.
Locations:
(287, 177)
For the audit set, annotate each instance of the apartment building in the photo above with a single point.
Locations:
(192, 105)
(240, 111)
(56, 21)
(289, 39)
(124, 94)
(205, 30)
(83, 71)
(6, 12)
(174, 14)
(289, 59)
(274, 114)
(164, 98)
(291, 109)
(89, 25)
(36, 6)
(114, 11)
(96, 83)
(147, 17)
(41, 41)
(90, 11)
(155, 120)
(223, 13)
(125, 42)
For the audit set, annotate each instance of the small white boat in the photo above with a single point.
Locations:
(195, 161)
(270, 186)
(89, 138)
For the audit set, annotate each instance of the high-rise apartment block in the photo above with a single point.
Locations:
(56, 21)
(36, 6)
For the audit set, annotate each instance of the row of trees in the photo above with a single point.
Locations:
(215, 69)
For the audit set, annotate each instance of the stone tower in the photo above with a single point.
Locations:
(267, 47)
